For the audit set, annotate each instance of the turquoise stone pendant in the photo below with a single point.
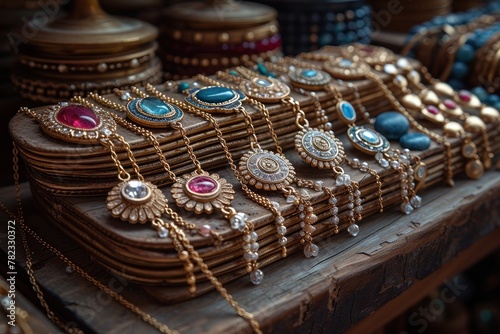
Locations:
(153, 112)
(264, 89)
(309, 79)
(346, 112)
(367, 140)
(215, 99)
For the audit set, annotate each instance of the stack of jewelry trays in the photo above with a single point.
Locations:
(70, 181)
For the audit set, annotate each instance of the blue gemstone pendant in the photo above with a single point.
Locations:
(367, 140)
(153, 112)
(309, 79)
(346, 112)
(215, 99)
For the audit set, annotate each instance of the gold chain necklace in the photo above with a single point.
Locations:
(134, 200)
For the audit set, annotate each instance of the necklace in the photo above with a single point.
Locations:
(259, 168)
(132, 200)
(256, 275)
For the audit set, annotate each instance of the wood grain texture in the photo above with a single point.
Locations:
(350, 279)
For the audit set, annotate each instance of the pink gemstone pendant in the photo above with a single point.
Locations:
(77, 123)
(78, 117)
(202, 193)
(202, 185)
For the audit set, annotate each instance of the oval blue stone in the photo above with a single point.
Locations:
(348, 111)
(263, 82)
(370, 137)
(392, 125)
(345, 63)
(154, 106)
(309, 73)
(215, 94)
(415, 141)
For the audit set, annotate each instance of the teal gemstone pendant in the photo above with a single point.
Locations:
(264, 89)
(153, 112)
(346, 112)
(367, 140)
(309, 79)
(215, 99)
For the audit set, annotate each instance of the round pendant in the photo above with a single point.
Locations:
(474, 169)
(153, 112)
(264, 89)
(319, 149)
(136, 201)
(373, 55)
(469, 150)
(342, 68)
(266, 170)
(202, 192)
(215, 99)
(420, 172)
(367, 140)
(309, 79)
(77, 123)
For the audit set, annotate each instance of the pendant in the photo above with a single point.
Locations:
(309, 79)
(373, 55)
(319, 149)
(215, 99)
(136, 201)
(367, 140)
(266, 170)
(264, 89)
(202, 192)
(343, 68)
(153, 112)
(77, 123)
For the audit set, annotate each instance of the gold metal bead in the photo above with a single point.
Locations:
(453, 129)
(474, 124)
(443, 88)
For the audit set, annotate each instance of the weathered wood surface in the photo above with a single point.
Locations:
(350, 278)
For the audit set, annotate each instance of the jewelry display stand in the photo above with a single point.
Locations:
(69, 182)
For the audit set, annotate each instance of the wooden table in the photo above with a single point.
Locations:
(353, 281)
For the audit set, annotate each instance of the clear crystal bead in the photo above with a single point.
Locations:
(355, 162)
(353, 229)
(318, 185)
(334, 211)
(332, 200)
(357, 201)
(290, 199)
(281, 229)
(309, 229)
(416, 201)
(358, 209)
(162, 232)
(275, 204)
(383, 163)
(254, 247)
(379, 156)
(238, 221)
(301, 207)
(335, 220)
(406, 208)
(395, 164)
(364, 166)
(302, 215)
(256, 276)
(350, 213)
(125, 96)
(311, 250)
(279, 220)
(282, 241)
(254, 236)
(350, 205)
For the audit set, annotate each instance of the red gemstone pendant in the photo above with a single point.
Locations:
(79, 117)
(202, 185)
